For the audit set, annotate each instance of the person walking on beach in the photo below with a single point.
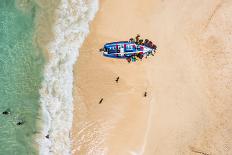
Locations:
(145, 94)
(100, 101)
(117, 79)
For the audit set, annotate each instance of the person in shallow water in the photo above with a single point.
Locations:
(21, 122)
(6, 112)
(47, 136)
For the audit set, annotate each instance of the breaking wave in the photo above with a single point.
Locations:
(71, 28)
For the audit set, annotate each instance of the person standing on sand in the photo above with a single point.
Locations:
(117, 79)
(100, 101)
(154, 46)
(137, 39)
(145, 94)
(128, 59)
(146, 42)
(141, 42)
(132, 40)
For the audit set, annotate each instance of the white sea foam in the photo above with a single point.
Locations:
(70, 30)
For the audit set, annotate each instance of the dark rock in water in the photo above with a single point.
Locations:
(47, 136)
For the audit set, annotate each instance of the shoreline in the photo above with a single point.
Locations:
(43, 29)
(56, 91)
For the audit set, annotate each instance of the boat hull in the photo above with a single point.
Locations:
(125, 49)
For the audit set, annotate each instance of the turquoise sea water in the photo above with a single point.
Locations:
(21, 64)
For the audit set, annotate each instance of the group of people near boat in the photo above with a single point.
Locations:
(139, 56)
(145, 42)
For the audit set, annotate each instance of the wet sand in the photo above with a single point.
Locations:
(188, 81)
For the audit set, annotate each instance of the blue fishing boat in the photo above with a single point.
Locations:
(125, 49)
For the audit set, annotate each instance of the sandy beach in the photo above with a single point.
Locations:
(187, 110)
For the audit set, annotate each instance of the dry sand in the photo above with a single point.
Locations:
(188, 108)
